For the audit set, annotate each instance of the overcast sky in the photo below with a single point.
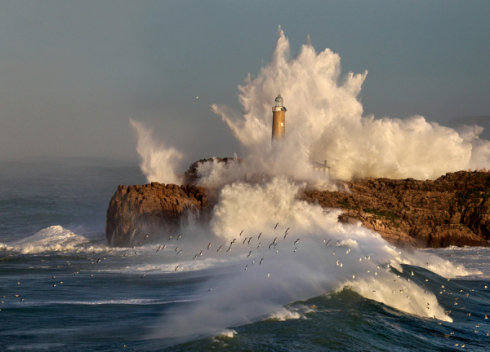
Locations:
(72, 73)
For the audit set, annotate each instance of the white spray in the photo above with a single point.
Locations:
(283, 249)
(325, 122)
(158, 162)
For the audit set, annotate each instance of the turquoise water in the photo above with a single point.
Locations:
(63, 289)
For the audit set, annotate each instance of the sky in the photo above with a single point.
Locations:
(72, 73)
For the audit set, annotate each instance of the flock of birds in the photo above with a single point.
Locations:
(254, 242)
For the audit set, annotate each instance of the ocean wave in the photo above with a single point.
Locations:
(58, 239)
(181, 266)
(284, 314)
(127, 301)
(230, 333)
(50, 239)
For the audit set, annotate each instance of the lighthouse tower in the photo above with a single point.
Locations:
(278, 119)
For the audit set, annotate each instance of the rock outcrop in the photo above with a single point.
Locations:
(452, 210)
(144, 213)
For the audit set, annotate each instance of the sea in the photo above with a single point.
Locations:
(62, 288)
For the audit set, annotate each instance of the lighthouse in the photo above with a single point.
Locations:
(278, 119)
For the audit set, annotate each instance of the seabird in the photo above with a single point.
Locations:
(219, 248)
(240, 233)
(261, 260)
(180, 251)
(179, 236)
(249, 254)
(244, 240)
(258, 237)
(296, 242)
(209, 246)
(275, 227)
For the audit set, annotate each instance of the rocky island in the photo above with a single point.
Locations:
(451, 210)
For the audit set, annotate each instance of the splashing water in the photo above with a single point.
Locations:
(158, 162)
(277, 249)
(282, 250)
(324, 122)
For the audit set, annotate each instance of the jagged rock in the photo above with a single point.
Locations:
(452, 210)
